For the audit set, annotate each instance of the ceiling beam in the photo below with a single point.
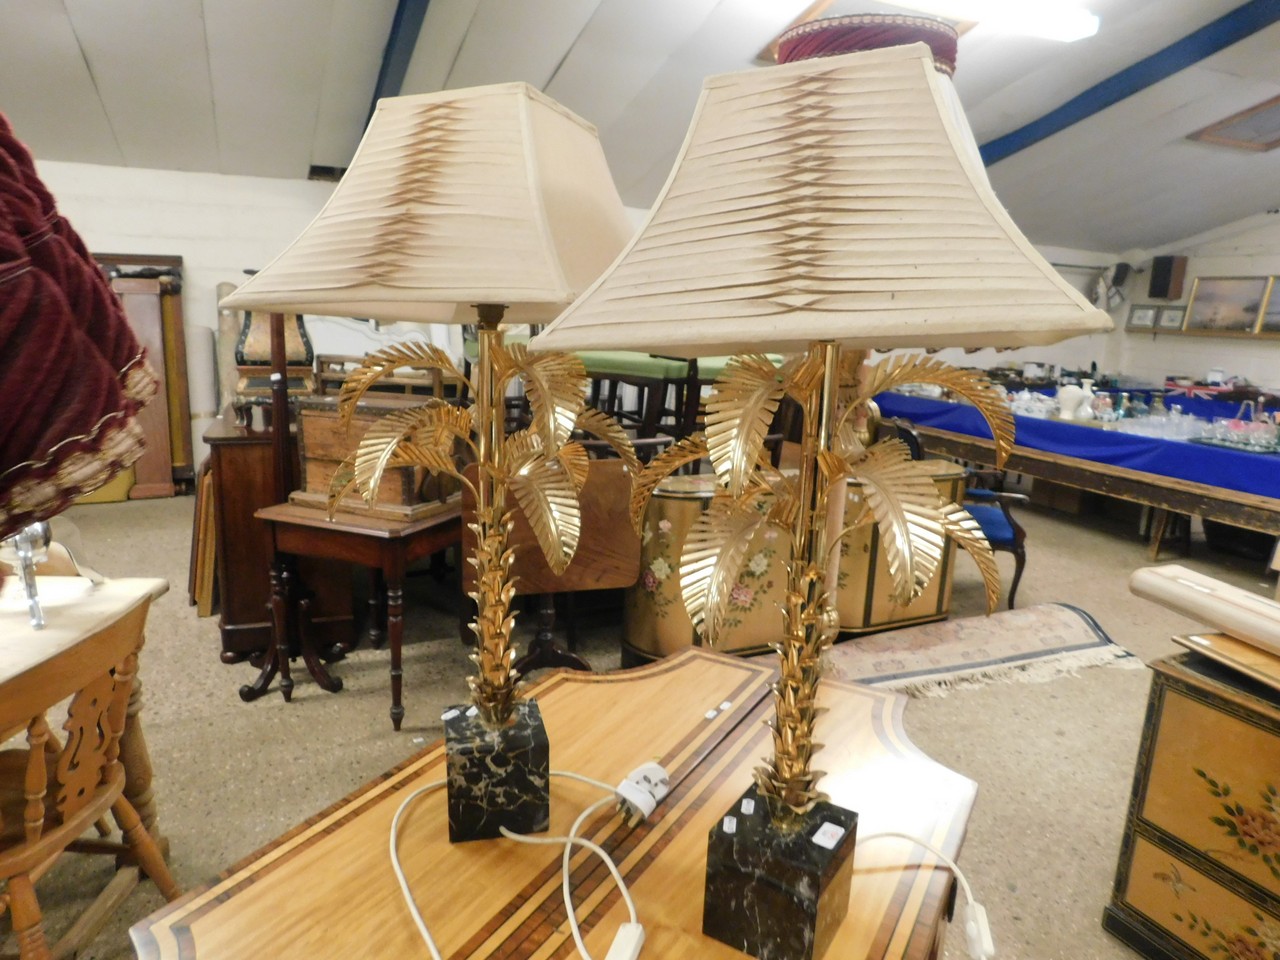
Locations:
(1230, 28)
(403, 37)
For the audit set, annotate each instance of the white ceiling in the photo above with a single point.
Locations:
(272, 88)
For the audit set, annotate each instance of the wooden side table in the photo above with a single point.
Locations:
(386, 546)
(1199, 872)
(699, 714)
(241, 466)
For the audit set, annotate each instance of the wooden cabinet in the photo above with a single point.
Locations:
(1199, 872)
(241, 466)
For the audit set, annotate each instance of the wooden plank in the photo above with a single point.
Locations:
(1167, 493)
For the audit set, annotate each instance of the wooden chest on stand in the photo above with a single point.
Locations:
(406, 493)
(1199, 872)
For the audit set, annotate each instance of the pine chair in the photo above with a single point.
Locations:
(51, 794)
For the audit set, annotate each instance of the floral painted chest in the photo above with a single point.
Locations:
(1199, 871)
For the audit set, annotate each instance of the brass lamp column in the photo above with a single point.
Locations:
(818, 206)
(490, 204)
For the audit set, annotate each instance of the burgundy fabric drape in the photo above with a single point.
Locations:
(72, 374)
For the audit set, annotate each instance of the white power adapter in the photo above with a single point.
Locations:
(626, 942)
(977, 931)
(641, 792)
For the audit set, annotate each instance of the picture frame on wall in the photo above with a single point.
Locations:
(1171, 318)
(1269, 323)
(1226, 305)
(1142, 317)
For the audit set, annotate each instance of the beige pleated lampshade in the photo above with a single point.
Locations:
(485, 195)
(827, 199)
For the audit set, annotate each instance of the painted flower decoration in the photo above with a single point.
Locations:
(647, 535)
(741, 595)
(649, 581)
(758, 564)
(660, 568)
(664, 526)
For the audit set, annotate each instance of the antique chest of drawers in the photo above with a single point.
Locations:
(1199, 871)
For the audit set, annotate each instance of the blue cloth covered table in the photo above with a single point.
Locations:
(1252, 473)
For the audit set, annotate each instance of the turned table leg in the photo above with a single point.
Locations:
(395, 637)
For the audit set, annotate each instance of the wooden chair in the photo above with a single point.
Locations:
(51, 793)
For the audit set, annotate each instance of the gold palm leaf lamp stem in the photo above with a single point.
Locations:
(820, 206)
(496, 197)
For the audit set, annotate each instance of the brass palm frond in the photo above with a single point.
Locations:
(520, 449)
(740, 410)
(686, 450)
(901, 369)
(965, 530)
(905, 503)
(342, 484)
(802, 375)
(715, 550)
(546, 491)
(422, 436)
(602, 425)
(574, 458)
(555, 384)
(382, 363)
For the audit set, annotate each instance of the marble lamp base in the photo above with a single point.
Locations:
(496, 778)
(778, 895)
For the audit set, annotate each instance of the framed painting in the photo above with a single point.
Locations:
(1170, 318)
(1141, 317)
(1226, 305)
(1269, 326)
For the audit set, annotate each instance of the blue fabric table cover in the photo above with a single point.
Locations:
(1254, 473)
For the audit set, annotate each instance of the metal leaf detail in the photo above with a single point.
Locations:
(520, 449)
(907, 368)
(573, 457)
(740, 410)
(967, 532)
(905, 503)
(556, 385)
(546, 493)
(686, 450)
(382, 363)
(802, 375)
(602, 425)
(423, 436)
(715, 550)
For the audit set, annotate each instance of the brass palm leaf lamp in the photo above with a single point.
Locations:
(818, 206)
(489, 205)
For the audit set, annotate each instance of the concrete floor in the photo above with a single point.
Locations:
(1054, 760)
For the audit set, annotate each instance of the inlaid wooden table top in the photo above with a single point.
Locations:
(327, 888)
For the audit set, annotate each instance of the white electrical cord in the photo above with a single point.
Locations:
(566, 841)
(977, 930)
(400, 877)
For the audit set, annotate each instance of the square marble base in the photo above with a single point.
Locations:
(496, 778)
(778, 895)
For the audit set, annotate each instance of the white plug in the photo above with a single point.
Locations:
(977, 931)
(626, 942)
(641, 792)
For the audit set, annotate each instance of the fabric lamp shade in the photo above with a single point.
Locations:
(830, 199)
(490, 194)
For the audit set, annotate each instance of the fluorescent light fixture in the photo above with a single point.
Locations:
(1043, 18)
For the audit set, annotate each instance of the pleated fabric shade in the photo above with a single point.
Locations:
(829, 199)
(492, 194)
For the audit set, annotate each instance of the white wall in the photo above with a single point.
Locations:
(220, 225)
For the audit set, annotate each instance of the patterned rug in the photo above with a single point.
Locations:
(1034, 644)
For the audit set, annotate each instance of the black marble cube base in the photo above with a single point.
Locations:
(496, 778)
(778, 895)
